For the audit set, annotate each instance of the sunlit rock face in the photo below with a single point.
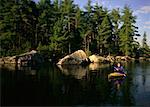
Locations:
(144, 59)
(75, 58)
(76, 71)
(94, 58)
(122, 58)
(110, 58)
(99, 59)
(7, 60)
(96, 66)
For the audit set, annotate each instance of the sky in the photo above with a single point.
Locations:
(141, 9)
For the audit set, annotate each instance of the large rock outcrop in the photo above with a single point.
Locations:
(8, 59)
(110, 58)
(94, 58)
(122, 58)
(76, 58)
(28, 57)
(98, 59)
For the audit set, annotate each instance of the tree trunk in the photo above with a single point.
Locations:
(100, 49)
(85, 44)
(36, 36)
(69, 48)
(88, 46)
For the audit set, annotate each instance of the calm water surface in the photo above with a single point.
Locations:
(74, 85)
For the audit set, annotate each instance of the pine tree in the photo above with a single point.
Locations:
(7, 27)
(144, 41)
(145, 48)
(88, 26)
(127, 32)
(56, 40)
(116, 19)
(104, 37)
(61, 26)
(19, 24)
(98, 16)
(68, 13)
(44, 21)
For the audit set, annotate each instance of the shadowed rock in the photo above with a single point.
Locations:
(25, 58)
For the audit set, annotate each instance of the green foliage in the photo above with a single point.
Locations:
(17, 25)
(145, 48)
(116, 19)
(144, 41)
(62, 27)
(42, 47)
(104, 36)
(56, 41)
(127, 32)
(88, 52)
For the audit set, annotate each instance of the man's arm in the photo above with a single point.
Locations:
(116, 69)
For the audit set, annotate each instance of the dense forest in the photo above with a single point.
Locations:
(59, 27)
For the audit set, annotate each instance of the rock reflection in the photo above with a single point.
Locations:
(79, 71)
(76, 71)
(17, 67)
(97, 66)
(47, 85)
(11, 67)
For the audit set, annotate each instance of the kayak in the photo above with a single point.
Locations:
(116, 74)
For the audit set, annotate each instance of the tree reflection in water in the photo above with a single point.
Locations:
(73, 85)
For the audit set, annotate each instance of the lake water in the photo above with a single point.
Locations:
(74, 85)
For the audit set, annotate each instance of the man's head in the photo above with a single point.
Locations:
(118, 64)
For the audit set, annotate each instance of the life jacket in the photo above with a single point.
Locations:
(120, 69)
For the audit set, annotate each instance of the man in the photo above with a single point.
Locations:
(119, 71)
(119, 68)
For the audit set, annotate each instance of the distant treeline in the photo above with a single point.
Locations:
(61, 27)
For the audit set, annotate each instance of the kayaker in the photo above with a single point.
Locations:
(119, 68)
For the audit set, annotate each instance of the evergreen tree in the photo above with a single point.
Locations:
(56, 40)
(17, 25)
(68, 13)
(104, 37)
(44, 21)
(145, 48)
(98, 16)
(115, 18)
(77, 40)
(61, 26)
(7, 26)
(127, 32)
(144, 41)
(88, 26)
